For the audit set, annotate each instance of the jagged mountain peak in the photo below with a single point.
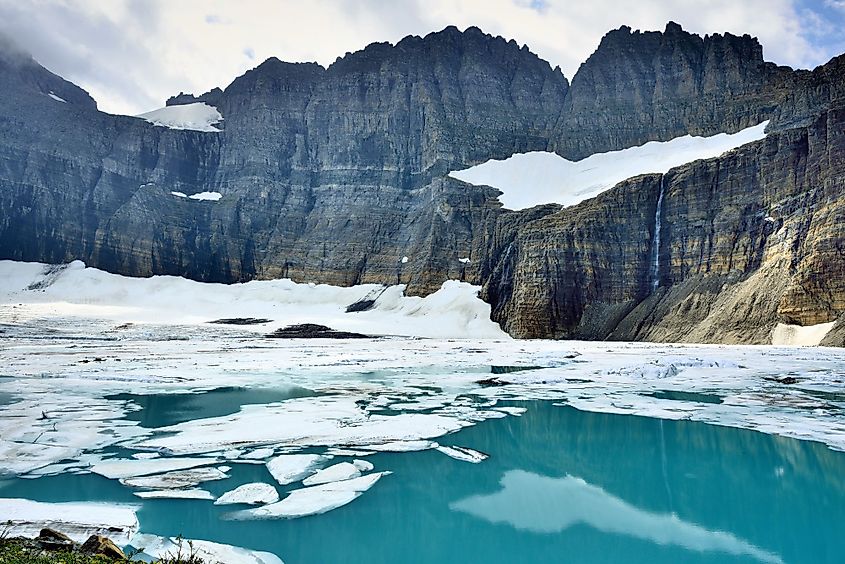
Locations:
(20, 70)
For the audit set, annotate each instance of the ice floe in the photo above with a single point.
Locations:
(290, 468)
(363, 465)
(334, 473)
(211, 552)
(529, 179)
(125, 468)
(191, 493)
(255, 493)
(176, 479)
(22, 517)
(313, 500)
(257, 454)
(463, 454)
(310, 421)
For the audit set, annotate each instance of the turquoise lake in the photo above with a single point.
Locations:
(561, 485)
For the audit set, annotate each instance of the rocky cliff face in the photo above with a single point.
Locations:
(748, 240)
(334, 175)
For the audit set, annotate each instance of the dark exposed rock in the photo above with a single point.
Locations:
(97, 544)
(313, 331)
(54, 540)
(241, 321)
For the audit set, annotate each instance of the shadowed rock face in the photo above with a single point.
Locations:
(333, 175)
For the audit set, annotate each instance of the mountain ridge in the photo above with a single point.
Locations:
(333, 174)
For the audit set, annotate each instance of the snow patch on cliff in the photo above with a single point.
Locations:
(530, 179)
(197, 117)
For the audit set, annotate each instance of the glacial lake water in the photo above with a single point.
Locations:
(561, 485)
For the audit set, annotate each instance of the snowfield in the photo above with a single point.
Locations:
(198, 116)
(74, 291)
(530, 179)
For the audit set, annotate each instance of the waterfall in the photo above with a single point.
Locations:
(655, 246)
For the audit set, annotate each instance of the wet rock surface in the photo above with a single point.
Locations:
(313, 331)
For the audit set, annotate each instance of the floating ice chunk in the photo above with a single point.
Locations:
(161, 548)
(290, 468)
(335, 473)
(313, 500)
(255, 493)
(463, 454)
(206, 196)
(258, 454)
(77, 520)
(511, 410)
(145, 455)
(124, 468)
(363, 465)
(175, 494)
(232, 454)
(224, 468)
(54, 469)
(176, 479)
(198, 116)
(349, 452)
(402, 446)
(310, 421)
(18, 458)
(801, 336)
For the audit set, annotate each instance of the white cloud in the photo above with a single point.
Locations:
(132, 55)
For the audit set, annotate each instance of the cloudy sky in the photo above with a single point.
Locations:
(133, 54)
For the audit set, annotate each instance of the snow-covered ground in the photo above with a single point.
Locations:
(198, 116)
(529, 179)
(31, 292)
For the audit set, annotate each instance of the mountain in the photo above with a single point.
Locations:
(340, 175)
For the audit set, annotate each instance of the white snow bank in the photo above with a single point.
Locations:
(197, 117)
(529, 179)
(314, 500)
(77, 520)
(800, 336)
(73, 290)
(255, 493)
(56, 98)
(159, 548)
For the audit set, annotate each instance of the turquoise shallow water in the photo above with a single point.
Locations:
(560, 485)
